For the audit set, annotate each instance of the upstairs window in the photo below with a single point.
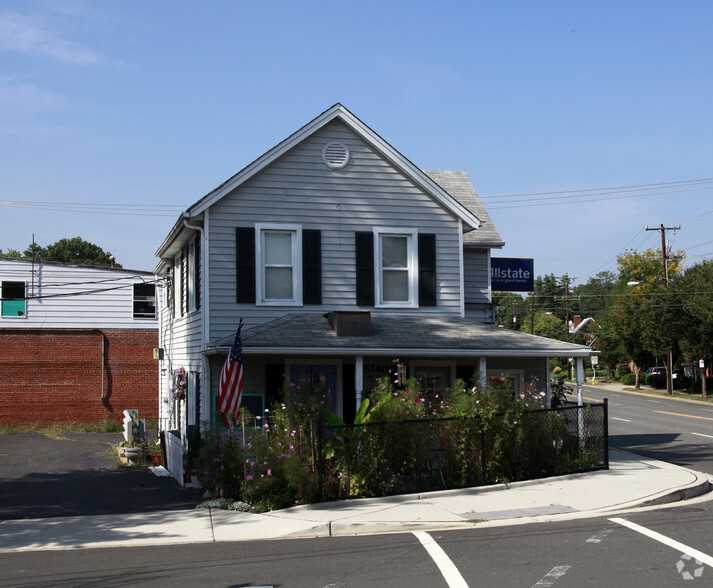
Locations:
(194, 300)
(396, 260)
(279, 262)
(144, 300)
(13, 299)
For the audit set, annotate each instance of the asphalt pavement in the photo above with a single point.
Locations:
(77, 475)
(68, 493)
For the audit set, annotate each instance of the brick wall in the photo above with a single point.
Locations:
(55, 376)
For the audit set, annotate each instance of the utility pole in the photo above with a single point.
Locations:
(664, 259)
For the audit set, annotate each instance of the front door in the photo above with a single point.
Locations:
(323, 377)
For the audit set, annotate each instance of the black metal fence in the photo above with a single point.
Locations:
(381, 459)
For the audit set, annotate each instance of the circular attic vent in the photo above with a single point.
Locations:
(335, 155)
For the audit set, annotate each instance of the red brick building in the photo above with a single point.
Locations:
(76, 343)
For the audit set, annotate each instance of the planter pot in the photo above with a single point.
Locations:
(155, 459)
(134, 454)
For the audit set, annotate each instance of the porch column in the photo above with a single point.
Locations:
(548, 398)
(483, 372)
(359, 380)
(580, 401)
(580, 379)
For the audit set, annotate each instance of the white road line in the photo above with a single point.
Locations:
(599, 536)
(616, 419)
(450, 572)
(702, 435)
(552, 576)
(654, 401)
(699, 555)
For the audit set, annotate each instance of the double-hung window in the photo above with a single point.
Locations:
(144, 300)
(396, 260)
(278, 250)
(13, 301)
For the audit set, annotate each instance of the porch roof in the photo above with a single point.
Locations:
(396, 335)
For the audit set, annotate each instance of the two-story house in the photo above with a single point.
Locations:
(341, 256)
(76, 343)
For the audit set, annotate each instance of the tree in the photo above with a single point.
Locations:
(509, 306)
(647, 267)
(592, 298)
(694, 316)
(548, 325)
(75, 250)
(14, 253)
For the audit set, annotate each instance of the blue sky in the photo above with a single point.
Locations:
(122, 113)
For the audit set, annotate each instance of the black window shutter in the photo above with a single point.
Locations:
(245, 261)
(311, 266)
(197, 276)
(365, 269)
(426, 269)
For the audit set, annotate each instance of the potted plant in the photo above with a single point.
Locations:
(132, 451)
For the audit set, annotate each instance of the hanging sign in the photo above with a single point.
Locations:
(512, 275)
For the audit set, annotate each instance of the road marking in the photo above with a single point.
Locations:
(450, 572)
(599, 536)
(702, 435)
(552, 576)
(654, 401)
(584, 398)
(690, 416)
(699, 555)
(617, 419)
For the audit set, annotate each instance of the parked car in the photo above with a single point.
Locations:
(655, 371)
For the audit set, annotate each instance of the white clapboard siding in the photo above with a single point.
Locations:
(300, 189)
(79, 297)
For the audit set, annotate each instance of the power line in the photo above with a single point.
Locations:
(606, 190)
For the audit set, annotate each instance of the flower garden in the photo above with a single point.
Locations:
(403, 440)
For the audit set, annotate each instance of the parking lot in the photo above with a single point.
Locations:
(76, 475)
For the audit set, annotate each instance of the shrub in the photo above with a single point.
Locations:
(655, 380)
(628, 379)
(218, 463)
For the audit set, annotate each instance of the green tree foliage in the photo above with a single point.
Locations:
(509, 306)
(75, 251)
(549, 325)
(14, 253)
(647, 267)
(590, 299)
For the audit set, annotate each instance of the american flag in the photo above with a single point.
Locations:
(230, 392)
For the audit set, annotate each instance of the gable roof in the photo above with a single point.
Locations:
(357, 126)
(458, 185)
(397, 335)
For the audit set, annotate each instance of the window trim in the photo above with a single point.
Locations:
(143, 298)
(191, 278)
(3, 300)
(295, 232)
(412, 268)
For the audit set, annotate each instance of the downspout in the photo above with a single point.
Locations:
(461, 266)
(204, 268)
(101, 334)
(205, 370)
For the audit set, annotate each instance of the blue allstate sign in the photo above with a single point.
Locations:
(512, 275)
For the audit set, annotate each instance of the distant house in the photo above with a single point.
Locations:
(76, 342)
(341, 256)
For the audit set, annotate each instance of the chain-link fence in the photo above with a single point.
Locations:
(381, 459)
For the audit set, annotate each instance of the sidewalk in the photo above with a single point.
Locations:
(631, 481)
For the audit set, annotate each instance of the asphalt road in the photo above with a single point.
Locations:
(658, 551)
(77, 475)
(662, 428)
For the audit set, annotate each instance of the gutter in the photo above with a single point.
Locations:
(395, 352)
